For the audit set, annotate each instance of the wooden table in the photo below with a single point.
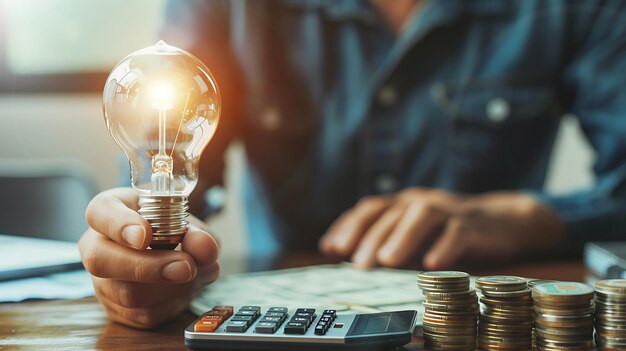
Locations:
(82, 324)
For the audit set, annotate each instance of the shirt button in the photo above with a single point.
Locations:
(386, 184)
(388, 95)
(270, 118)
(498, 110)
(438, 91)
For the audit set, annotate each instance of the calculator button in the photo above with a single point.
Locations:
(301, 320)
(271, 319)
(320, 330)
(281, 315)
(236, 326)
(295, 328)
(246, 313)
(266, 327)
(306, 310)
(322, 326)
(222, 313)
(228, 309)
(215, 318)
(333, 312)
(307, 316)
(247, 319)
(326, 319)
(205, 326)
(329, 316)
(278, 309)
(250, 308)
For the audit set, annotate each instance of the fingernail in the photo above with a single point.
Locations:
(431, 262)
(361, 259)
(178, 271)
(385, 253)
(134, 235)
(342, 244)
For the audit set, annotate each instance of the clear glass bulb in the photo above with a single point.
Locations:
(162, 106)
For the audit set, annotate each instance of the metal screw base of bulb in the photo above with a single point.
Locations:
(167, 216)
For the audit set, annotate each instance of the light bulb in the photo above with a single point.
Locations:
(162, 106)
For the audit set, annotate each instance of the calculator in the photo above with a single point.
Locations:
(276, 328)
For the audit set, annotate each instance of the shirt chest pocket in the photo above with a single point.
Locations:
(498, 133)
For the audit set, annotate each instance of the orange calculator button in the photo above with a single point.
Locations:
(216, 318)
(229, 309)
(206, 326)
(222, 313)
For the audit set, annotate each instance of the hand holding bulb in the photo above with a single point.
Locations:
(161, 106)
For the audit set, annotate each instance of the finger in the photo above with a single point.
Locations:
(200, 245)
(145, 317)
(209, 274)
(137, 295)
(326, 243)
(134, 295)
(366, 206)
(344, 235)
(107, 259)
(365, 254)
(449, 248)
(112, 213)
(417, 223)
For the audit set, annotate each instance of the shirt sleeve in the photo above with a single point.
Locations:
(593, 87)
(203, 29)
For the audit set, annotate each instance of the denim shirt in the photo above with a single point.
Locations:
(332, 106)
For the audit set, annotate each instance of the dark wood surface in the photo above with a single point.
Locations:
(82, 324)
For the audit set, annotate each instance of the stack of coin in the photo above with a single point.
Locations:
(563, 316)
(450, 310)
(506, 318)
(611, 314)
(531, 285)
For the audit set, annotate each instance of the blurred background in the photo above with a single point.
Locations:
(54, 58)
(55, 150)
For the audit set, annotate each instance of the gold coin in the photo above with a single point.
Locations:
(562, 290)
(442, 276)
(501, 283)
(611, 286)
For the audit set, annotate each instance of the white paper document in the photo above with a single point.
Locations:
(22, 257)
(39, 261)
(341, 287)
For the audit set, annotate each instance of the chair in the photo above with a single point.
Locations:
(44, 198)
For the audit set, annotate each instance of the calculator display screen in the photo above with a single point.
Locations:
(367, 324)
(377, 324)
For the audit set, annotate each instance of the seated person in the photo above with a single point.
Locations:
(385, 132)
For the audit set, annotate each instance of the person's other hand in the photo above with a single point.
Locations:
(392, 230)
(138, 287)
